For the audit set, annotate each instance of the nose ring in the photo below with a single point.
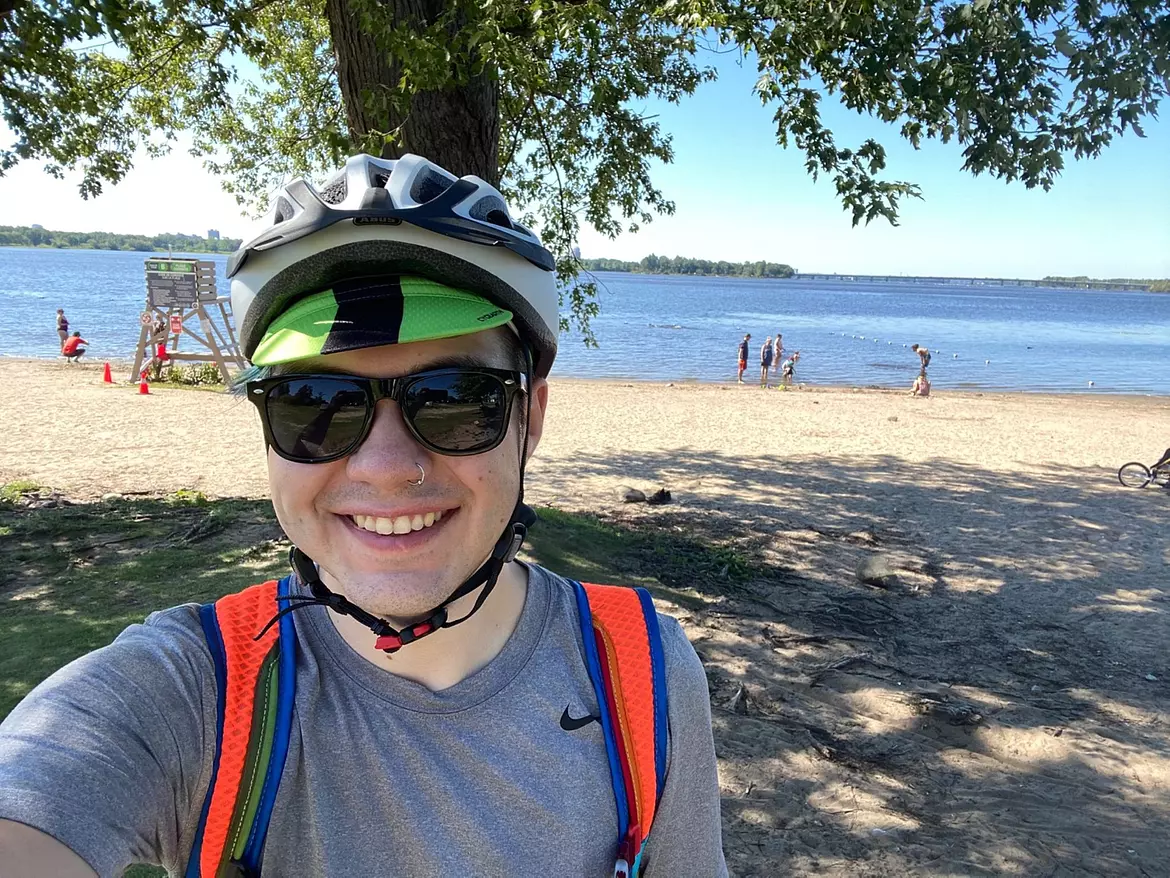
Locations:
(422, 476)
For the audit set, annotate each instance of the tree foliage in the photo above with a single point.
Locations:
(28, 236)
(654, 264)
(1018, 84)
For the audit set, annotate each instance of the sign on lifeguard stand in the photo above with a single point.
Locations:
(180, 292)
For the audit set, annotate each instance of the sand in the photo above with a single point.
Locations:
(997, 707)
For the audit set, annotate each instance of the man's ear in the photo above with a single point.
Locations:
(538, 393)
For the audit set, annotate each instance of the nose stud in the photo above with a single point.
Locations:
(422, 476)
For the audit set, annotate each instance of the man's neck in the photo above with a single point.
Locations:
(440, 660)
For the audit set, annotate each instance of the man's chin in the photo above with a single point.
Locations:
(394, 596)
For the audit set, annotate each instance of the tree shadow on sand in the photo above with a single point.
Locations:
(994, 706)
(993, 703)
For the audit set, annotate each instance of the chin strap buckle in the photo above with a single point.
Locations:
(390, 641)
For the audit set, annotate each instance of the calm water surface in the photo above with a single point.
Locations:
(679, 328)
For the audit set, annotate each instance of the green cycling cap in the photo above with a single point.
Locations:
(368, 312)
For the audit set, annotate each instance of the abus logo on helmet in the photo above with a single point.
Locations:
(376, 221)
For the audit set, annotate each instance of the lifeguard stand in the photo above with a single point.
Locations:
(180, 292)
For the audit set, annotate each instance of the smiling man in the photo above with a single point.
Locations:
(411, 699)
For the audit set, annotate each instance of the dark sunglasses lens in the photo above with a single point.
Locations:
(315, 418)
(463, 411)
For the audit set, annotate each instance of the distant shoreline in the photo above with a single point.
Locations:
(1136, 285)
(1085, 286)
(109, 249)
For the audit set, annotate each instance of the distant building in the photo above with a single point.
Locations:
(213, 234)
(36, 226)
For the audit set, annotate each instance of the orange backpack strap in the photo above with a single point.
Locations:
(255, 686)
(623, 652)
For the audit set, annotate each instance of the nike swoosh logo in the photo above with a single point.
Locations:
(572, 723)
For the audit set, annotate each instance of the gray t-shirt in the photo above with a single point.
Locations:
(112, 756)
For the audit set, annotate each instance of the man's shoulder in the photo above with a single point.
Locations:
(169, 639)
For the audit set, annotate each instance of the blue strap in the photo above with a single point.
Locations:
(593, 665)
(658, 672)
(286, 693)
(219, 661)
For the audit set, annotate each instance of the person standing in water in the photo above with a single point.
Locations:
(743, 355)
(777, 352)
(62, 326)
(923, 355)
(765, 361)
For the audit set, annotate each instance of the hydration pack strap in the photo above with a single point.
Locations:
(623, 649)
(255, 683)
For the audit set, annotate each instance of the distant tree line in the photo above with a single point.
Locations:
(1156, 286)
(685, 265)
(27, 236)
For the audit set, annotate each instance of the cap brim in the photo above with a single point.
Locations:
(369, 312)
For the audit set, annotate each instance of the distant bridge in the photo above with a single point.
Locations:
(977, 281)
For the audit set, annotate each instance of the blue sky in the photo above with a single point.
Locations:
(739, 196)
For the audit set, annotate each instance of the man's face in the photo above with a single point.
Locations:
(401, 576)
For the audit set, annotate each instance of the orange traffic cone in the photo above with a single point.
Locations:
(107, 378)
(143, 388)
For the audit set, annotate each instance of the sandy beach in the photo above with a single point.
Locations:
(997, 707)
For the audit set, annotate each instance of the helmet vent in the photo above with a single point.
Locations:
(284, 210)
(335, 192)
(429, 185)
(380, 179)
(490, 209)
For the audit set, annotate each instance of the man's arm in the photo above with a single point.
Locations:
(29, 853)
(109, 758)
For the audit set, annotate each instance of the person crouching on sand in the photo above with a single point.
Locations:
(72, 350)
(921, 386)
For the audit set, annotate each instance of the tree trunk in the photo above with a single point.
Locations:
(457, 128)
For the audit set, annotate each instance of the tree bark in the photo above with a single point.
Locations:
(458, 128)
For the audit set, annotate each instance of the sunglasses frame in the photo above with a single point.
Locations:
(512, 382)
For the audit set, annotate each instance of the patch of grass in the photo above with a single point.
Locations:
(13, 491)
(196, 375)
(183, 495)
(671, 564)
(75, 576)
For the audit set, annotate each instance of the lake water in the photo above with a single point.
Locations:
(679, 328)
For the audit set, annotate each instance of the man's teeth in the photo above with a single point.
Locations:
(403, 524)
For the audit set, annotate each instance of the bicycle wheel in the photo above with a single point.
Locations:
(1134, 475)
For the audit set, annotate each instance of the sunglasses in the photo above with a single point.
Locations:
(319, 418)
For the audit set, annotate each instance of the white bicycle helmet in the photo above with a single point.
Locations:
(378, 217)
